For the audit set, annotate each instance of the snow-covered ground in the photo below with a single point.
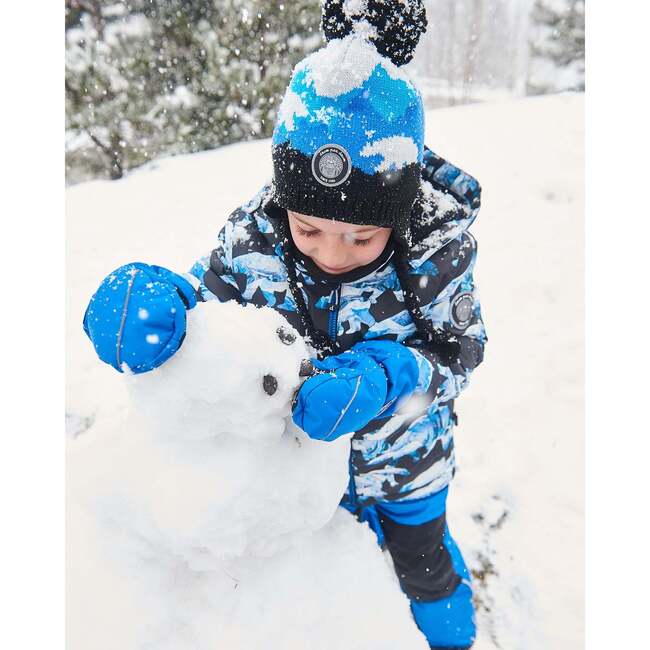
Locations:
(516, 504)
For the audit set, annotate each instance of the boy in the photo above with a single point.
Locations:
(361, 243)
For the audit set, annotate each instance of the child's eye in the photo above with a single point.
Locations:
(307, 233)
(362, 242)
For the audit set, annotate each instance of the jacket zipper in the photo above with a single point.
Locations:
(334, 313)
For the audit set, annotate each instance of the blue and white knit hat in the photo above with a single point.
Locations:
(348, 142)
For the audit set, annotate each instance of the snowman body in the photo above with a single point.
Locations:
(201, 518)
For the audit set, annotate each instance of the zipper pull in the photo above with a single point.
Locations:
(333, 300)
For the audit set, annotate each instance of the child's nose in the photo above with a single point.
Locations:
(333, 255)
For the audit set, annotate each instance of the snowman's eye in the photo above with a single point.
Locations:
(285, 336)
(269, 384)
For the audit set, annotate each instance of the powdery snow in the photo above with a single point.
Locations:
(516, 503)
(353, 8)
(134, 26)
(344, 64)
(446, 203)
(182, 97)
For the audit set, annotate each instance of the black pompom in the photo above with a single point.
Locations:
(399, 24)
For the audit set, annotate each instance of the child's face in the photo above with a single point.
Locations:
(336, 247)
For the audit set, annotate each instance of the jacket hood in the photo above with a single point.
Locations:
(448, 204)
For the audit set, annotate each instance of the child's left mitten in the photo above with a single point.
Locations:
(347, 392)
(137, 317)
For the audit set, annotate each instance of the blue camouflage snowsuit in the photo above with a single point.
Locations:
(400, 464)
(402, 461)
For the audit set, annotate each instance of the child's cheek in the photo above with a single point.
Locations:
(367, 258)
(304, 245)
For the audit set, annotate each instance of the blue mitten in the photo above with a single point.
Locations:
(137, 316)
(400, 367)
(347, 392)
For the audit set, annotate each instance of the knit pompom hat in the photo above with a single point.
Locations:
(348, 142)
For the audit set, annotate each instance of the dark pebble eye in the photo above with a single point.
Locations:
(270, 384)
(286, 337)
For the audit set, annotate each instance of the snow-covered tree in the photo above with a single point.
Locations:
(557, 46)
(147, 78)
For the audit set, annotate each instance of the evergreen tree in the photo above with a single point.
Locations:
(557, 46)
(147, 78)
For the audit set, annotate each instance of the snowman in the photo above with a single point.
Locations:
(201, 518)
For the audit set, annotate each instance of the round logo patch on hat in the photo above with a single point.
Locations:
(462, 308)
(331, 165)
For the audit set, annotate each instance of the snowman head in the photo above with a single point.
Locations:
(235, 375)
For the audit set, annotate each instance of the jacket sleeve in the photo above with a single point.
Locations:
(214, 271)
(447, 291)
(455, 309)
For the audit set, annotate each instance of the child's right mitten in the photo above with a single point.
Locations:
(137, 317)
(346, 392)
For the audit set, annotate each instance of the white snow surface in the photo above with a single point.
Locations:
(150, 560)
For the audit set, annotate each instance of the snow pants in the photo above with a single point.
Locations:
(429, 566)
